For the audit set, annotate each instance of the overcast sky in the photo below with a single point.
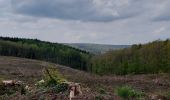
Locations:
(86, 21)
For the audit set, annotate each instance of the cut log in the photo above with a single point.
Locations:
(11, 82)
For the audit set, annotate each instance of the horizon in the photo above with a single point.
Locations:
(87, 42)
(113, 22)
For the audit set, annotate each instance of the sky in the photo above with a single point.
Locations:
(86, 21)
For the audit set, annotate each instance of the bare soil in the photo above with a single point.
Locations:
(30, 71)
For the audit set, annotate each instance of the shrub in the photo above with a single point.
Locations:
(98, 97)
(1, 80)
(53, 80)
(128, 93)
(168, 95)
(52, 76)
(9, 90)
(101, 91)
(59, 88)
(23, 90)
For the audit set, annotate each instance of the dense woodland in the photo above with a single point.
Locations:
(36, 49)
(153, 57)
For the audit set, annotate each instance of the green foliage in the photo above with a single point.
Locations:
(7, 90)
(1, 80)
(52, 76)
(168, 95)
(53, 81)
(36, 49)
(23, 90)
(101, 90)
(3, 97)
(153, 58)
(128, 93)
(98, 97)
(62, 87)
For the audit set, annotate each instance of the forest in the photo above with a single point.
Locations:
(41, 50)
(150, 58)
(153, 57)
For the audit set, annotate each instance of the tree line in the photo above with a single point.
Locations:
(41, 50)
(153, 57)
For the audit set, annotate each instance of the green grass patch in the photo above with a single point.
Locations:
(98, 97)
(168, 95)
(128, 93)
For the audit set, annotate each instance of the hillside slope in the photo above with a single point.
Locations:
(47, 51)
(153, 57)
(96, 48)
(30, 71)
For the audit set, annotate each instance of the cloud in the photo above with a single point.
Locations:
(94, 21)
(163, 16)
(162, 11)
(82, 10)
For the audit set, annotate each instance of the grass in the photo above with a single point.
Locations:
(168, 95)
(98, 97)
(102, 91)
(1, 80)
(128, 93)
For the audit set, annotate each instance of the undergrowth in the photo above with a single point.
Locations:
(52, 80)
(128, 93)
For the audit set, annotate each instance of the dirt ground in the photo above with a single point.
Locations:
(30, 71)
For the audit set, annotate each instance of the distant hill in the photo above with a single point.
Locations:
(96, 48)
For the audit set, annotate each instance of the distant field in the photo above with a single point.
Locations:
(30, 71)
(96, 48)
